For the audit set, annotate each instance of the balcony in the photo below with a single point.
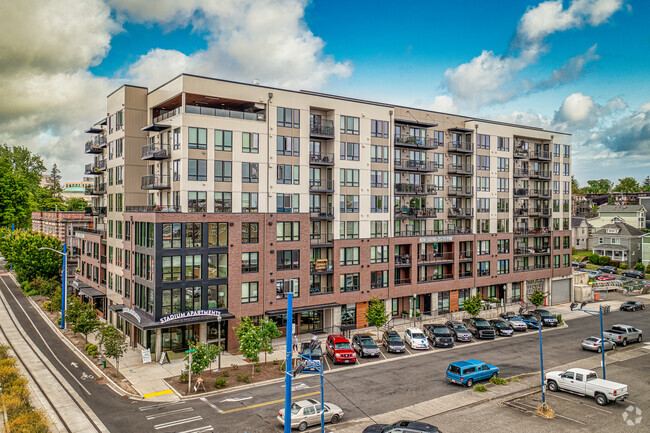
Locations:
(520, 152)
(96, 145)
(164, 115)
(324, 129)
(424, 259)
(402, 281)
(316, 239)
(317, 185)
(433, 278)
(321, 290)
(460, 191)
(483, 273)
(416, 143)
(543, 155)
(542, 174)
(155, 181)
(456, 212)
(234, 114)
(98, 189)
(539, 211)
(542, 250)
(403, 261)
(325, 213)
(465, 274)
(321, 266)
(409, 189)
(153, 208)
(460, 169)
(96, 211)
(321, 159)
(96, 168)
(520, 192)
(461, 147)
(522, 268)
(424, 232)
(466, 255)
(156, 151)
(525, 232)
(414, 165)
(520, 172)
(412, 212)
(520, 213)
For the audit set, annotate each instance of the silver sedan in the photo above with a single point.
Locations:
(593, 343)
(517, 325)
(305, 413)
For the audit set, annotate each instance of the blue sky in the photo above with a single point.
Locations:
(578, 66)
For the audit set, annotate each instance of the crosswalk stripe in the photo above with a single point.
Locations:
(178, 422)
(158, 406)
(171, 412)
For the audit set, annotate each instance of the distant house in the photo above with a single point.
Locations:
(634, 215)
(618, 241)
(76, 192)
(579, 233)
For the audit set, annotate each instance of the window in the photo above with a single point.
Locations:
(291, 285)
(556, 150)
(483, 248)
(197, 169)
(349, 256)
(378, 179)
(192, 298)
(193, 267)
(565, 187)
(349, 203)
(288, 146)
(248, 292)
(223, 202)
(119, 174)
(567, 151)
(288, 174)
(217, 234)
(378, 279)
(349, 151)
(197, 201)
(349, 229)
(119, 202)
(556, 261)
(176, 169)
(379, 154)
(222, 171)
(503, 205)
(288, 203)
(349, 125)
(379, 254)
(193, 235)
(249, 202)
(223, 140)
(482, 141)
(483, 269)
(516, 292)
(503, 246)
(503, 225)
(483, 226)
(503, 185)
(438, 204)
(349, 282)
(503, 164)
(443, 302)
(565, 169)
(249, 263)
(249, 233)
(349, 177)
(556, 168)
(503, 143)
(288, 231)
(483, 184)
(171, 300)
(482, 205)
(379, 204)
(503, 267)
(439, 138)
(288, 117)
(250, 172)
(566, 260)
(288, 259)
(438, 182)
(482, 162)
(177, 138)
(378, 229)
(250, 142)
(119, 120)
(556, 187)
(217, 265)
(197, 138)
(379, 128)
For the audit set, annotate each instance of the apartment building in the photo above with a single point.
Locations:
(215, 198)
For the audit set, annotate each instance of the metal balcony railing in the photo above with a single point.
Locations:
(98, 189)
(414, 165)
(321, 238)
(324, 129)
(432, 278)
(409, 188)
(417, 142)
(321, 185)
(460, 190)
(97, 167)
(155, 181)
(321, 213)
(447, 256)
(156, 151)
(456, 212)
(461, 146)
(321, 158)
(412, 212)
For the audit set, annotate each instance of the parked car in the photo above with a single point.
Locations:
(305, 413)
(502, 327)
(364, 345)
(315, 355)
(578, 265)
(594, 274)
(340, 350)
(606, 278)
(638, 275)
(416, 338)
(470, 371)
(632, 306)
(530, 320)
(622, 334)
(593, 343)
(516, 323)
(439, 335)
(548, 319)
(458, 330)
(608, 270)
(586, 382)
(507, 315)
(402, 427)
(392, 342)
(480, 328)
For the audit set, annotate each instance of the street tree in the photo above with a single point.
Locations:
(537, 298)
(646, 184)
(73, 312)
(75, 204)
(30, 262)
(202, 357)
(600, 186)
(15, 197)
(114, 345)
(627, 184)
(473, 305)
(87, 321)
(251, 340)
(575, 186)
(376, 314)
(269, 330)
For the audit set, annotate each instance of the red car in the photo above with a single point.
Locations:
(605, 278)
(340, 350)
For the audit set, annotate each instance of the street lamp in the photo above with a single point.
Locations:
(288, 375)
(602, 337)
(219, 333)
(64, 283)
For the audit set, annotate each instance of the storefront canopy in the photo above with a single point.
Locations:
(91, 292)
(143, 320)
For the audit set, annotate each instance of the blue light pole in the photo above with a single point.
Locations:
(541, 361)
(64, 283)
(288, 372)
(602, 336)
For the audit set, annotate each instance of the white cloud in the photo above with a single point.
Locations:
(575, 108)
(444, 104)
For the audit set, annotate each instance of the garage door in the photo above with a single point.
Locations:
(561, 292)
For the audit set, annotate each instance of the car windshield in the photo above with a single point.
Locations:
(417, 335)
(460, 328)
(529, 317)
(454, 369)
(341, 346)
(314, 352)
(367, 342)
(500, 324)
(394, 338)
(545, 314)
(443, 332)
(629, 303)
(295, 408)
(482, 323)
(591, 339)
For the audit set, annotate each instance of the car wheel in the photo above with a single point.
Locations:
(613, 346)
(302, 426)
(495, 374)
(470, 382)
(601, 399)
(552, 385)
(600, 349)
(643, 307)
(624, 342)
(640, 338)
(335, 419)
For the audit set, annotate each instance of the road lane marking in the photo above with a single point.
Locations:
(171, 412)
(207, 428)
(382, 354)
(158, 406)
(156, 394)
(584, 404)
(407, 350)
(236, 399)
(179, 422)
(213, 406)
(268, 403)
(327, 363)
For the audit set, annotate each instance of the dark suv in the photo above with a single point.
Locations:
(608, 270)
(480, 328)
(364, 345)
(392, 342)
(439, 335)
(548, 319)
(402, 427)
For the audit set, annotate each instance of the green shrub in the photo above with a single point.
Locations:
(615, 263)
(622, 265)
(220, 382)
(514, 380)
(234, 366)
(559, 319)
(4, 351)
(243, 378)
(91, 349)
(498, 381)
(276, 361)
(25, 286)
(225, 373)
(258, 369)
(595, 259)
(31, 293)
(183, 377)
(55, 302)
(603, 261)
(29, 422)
(480, 388)
(47, 305)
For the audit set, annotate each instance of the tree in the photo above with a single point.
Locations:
(600, 186)
(473, 304)
(537, 298)
(114, 345)
(22, 250)
(627, 184)
(610, 199)
(251, 340)
(76, 204)
(269, 330)
(639, 266)
(202, 357)
(73, 312)
(647, 270)
(646, 184)
(575, 187)
(54, 184)
(15, 197)
(376, 314)
(87, 321)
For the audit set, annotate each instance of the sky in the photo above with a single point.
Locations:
(575, 66)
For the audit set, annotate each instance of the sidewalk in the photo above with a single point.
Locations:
(615, 304)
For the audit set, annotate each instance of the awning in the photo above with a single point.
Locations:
(145, 321)
(415, 123)
(301, 309)
(156, 127)
(611, 247)
(91, 292)
(94, 130)
(456, 129)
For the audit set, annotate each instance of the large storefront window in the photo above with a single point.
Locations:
(192, 298)
(516, 292)
(171, 301)
(213, 333)
(349, 315)
(311, 321)
(443, 302)
(218, 296)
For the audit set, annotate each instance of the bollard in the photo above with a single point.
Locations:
(104, 363)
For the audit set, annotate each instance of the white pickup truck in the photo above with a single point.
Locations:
(586, 382)
(622, 334)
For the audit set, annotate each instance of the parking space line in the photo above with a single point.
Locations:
(557, 415)
(382, 354)
(205, 429)
(584, 404)
(327, 363)
(407, 350)
(158, 406)
(213, 406)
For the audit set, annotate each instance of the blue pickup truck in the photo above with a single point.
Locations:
(468, 372)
